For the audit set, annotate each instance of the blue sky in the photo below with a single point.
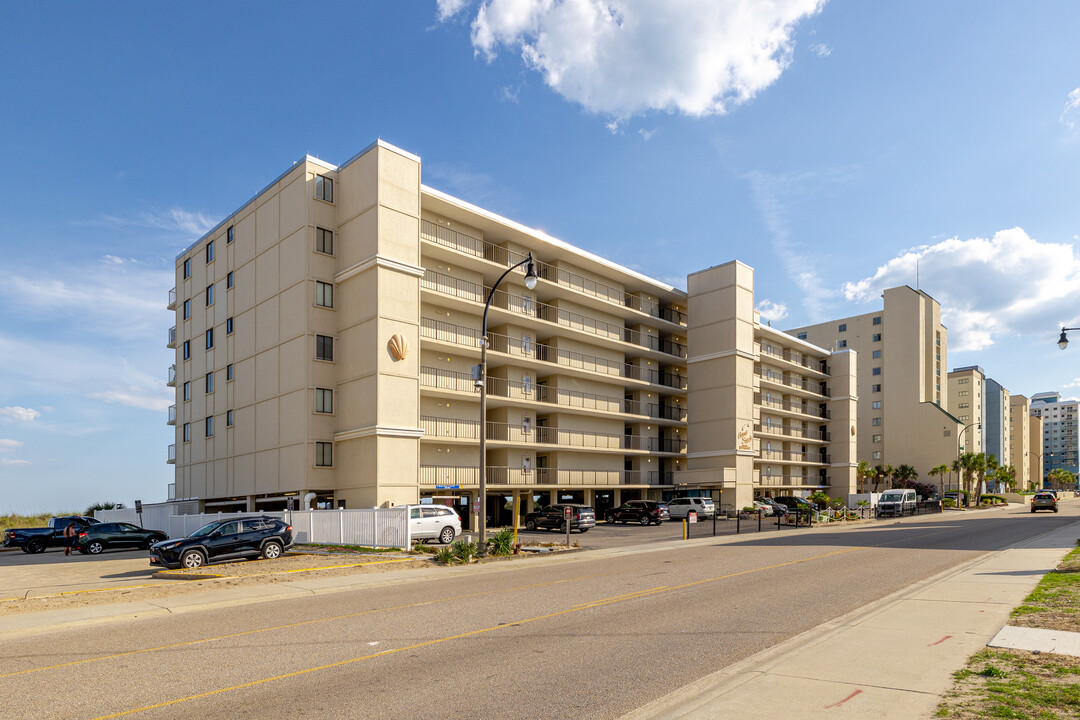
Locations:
(829, 145)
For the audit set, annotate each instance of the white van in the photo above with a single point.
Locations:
(681, 507)
(897, 503)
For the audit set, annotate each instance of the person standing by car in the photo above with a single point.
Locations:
(69, 538)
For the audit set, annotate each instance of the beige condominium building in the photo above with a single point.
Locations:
(967, 390)
(326, 334)
(1036, 468)
(1020, 448)
(903, 416)
(770, 414)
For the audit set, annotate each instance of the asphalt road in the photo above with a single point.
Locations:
(589, 637)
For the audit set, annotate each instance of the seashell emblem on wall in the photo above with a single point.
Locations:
(398, 346)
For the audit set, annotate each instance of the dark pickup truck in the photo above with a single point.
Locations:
(36, 540)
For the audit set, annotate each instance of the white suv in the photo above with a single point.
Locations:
(681, 507)
(430, 522)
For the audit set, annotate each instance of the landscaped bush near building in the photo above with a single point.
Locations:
(992, 500)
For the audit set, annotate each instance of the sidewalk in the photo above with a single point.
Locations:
(891, 659)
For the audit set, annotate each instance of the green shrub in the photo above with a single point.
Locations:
(464, 551)
(445, 555)
(422, 547)
(502, 543)
(992, 499)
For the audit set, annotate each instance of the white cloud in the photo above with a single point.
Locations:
(613, 127)
(821, 49)
(5, 461)
(627, 57)
(989, 289)
(477, 188)
(174, 219)
(509, 93)
(137, 397)
(1075, 383)
(1069, 115)
(19, 414)
(772, 311)
(646, 134)
(9, 445)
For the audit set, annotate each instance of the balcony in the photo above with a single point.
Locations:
(794, 481)
(799, 457)
(171, 382)
(475, 292)
(797, 433)
(172, 299)
(807, 386)
(532, 350)
(795, 407)
(172, 415)
(794, 358)
(434, 476)
(454, 429)
(476, 247)
(172, 337)
(172, 454)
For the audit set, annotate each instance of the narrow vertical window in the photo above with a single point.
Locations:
(210, 426)
(324, 454)
(229, 414)
(209, 295)
(187, 309)
(187, 391)
(324, 188)
(210, 338)
(324, 241)
(187, 349)
(229, 372)
(187, 432)
(324, 347)
(229, 235)
(209, 382)
(228, 326)
(228, 280)
(210, 252)
(187, 268)
(324, 294)
(324, 400)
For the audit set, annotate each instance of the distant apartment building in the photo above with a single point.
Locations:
(326, 334)
(1059, 436)
(903, 416)
(1036, 471)
(996, 422)
(769, 414)
(967, 390)
(1020, 447)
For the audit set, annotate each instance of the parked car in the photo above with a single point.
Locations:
(1044, 501)
(682, 506)
(431, 522)
(777, 508)
(102, 536)
(582, 517)
(766, 509)
(233, 539)
(897, 503)
(37, 540)
(645, 512)
(795, 504)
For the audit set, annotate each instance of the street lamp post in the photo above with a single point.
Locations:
(959, 470)
(481, 381)
(1063, 341)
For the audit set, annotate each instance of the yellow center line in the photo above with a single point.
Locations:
(472, 633)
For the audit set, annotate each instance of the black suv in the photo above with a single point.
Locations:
(582, 517)
(645, 512)
(795, 504)
(232, 539)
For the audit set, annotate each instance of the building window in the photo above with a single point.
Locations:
(210, 426)
(209, 295)
(324, 400)
(877, 454)
(324, 454)
(876, 405)
(843, 327)
(964, 406)
(324, 294)
(877, 438)
(210, 338)
(526, 344)
(324, 241)
(964, 418)
(187, 432)
(324, 188)
(209, 382)
(187, 349)
(843, 343)
(877, 337)
(876, 371)
(801, 336)
(877, 354)
(877, 320)
(875, 388)
(324, 347)
(876, 422)
(228, 326)
(187, 268)
(229, 235)
(964, 393)
(229, 414)
(210, 252)
(187, 391)
(187, 309)
(228, 281)
(228, 372)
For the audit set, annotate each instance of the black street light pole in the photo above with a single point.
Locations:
(481, 381)
(1063, 341)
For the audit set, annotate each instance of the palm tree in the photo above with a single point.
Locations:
(862, 474)
(880, 473)
(990, 466)
(966, 466)
(1006, 476)
(939, 471)
(903, 475)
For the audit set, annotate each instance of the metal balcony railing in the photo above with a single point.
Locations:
(172, 337)
(172, 299)
(794, 480)
(784, 455)
(451, 428)
(172, 454)
(525, 347)
(476, 247)
(804, 408)
(808, 386)
(475, 292)
(786, 431)
(446, 476)
(172, 415)
(171, 382)
(793, 357)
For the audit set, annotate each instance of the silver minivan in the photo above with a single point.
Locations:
(681, 507)
(897, 503)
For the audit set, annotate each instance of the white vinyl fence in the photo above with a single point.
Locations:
(376, 527)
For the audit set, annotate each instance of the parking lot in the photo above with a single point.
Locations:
(51, 572)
